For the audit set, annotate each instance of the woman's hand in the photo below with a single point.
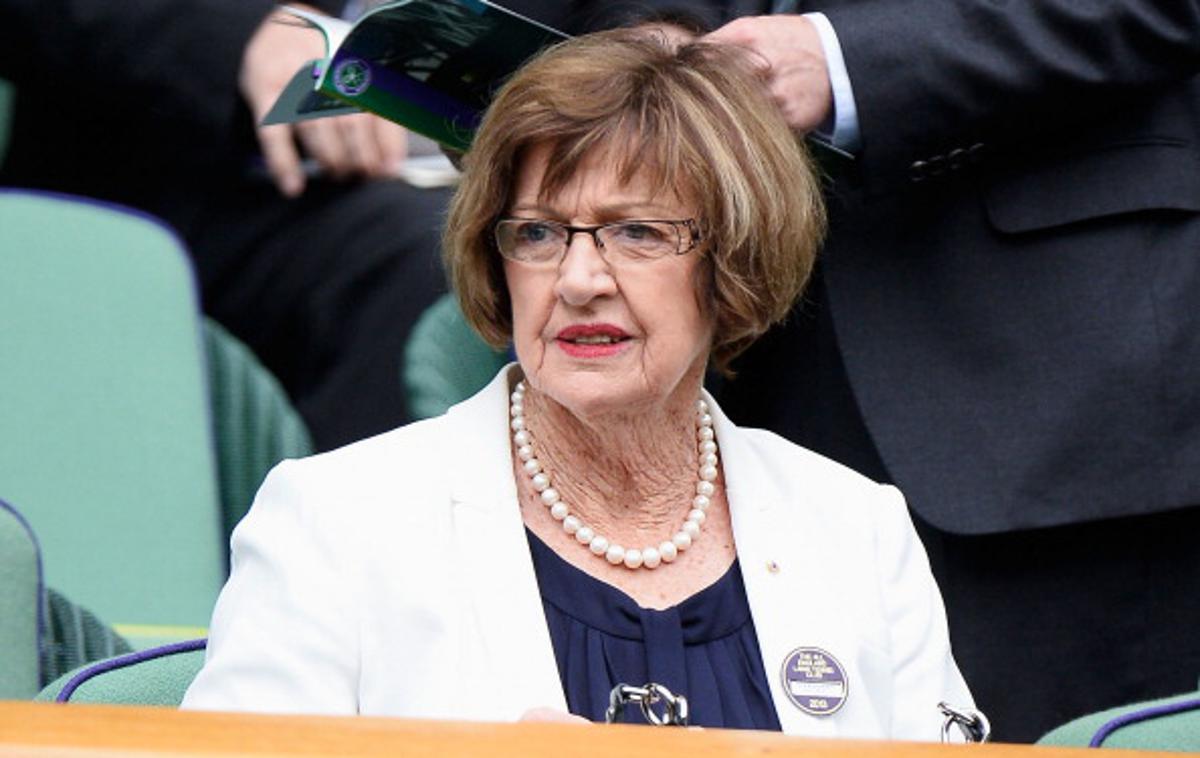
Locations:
(552, 715)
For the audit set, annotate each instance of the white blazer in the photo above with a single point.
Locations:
(393, 577)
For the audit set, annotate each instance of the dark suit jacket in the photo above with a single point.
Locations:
(1013, 268)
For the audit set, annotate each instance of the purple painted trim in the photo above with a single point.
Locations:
(1168, 709)
(41, 586)
(123, 661)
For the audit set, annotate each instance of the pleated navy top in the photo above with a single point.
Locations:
(704, 648)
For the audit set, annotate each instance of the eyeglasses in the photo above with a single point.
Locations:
(532, 240)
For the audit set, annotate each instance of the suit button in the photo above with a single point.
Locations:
(918, 171)
(956, 158)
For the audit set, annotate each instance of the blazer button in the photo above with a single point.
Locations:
(918, 171)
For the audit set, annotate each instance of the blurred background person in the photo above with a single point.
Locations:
(305, 245)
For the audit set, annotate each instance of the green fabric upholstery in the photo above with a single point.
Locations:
(105, 437)
(149, 677)
(1171, 724)
(253, 420)
(445, 361)
(73, 637)
(20, 588)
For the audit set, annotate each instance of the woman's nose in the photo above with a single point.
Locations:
(583, 273)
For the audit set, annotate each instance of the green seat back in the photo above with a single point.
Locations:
(105, 438)
(20, 606)
(159, 676)
(1171, 724)
(254, 422)
(445, 361)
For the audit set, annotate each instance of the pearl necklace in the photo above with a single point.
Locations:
(647, 557)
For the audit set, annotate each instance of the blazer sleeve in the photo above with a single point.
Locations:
(284, 635)
(932, 77)
(923, 669)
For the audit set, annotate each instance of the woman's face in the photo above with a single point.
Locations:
(601, 335)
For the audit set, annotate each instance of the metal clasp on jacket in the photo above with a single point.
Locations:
(973, 725)
(674, 707)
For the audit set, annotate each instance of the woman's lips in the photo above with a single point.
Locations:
(592, 340)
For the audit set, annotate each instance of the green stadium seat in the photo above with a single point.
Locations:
(105, 436)
(445, 361)
(1168, 724)
(20, 606)
(158, 676)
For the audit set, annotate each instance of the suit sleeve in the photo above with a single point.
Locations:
(284, 635)
(178, 57)
(923, 669)
(931, 77)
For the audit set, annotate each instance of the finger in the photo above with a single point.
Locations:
(282, 159)
(322, 142)
(392, 141)
(358, 143)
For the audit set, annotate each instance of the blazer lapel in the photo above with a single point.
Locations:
(782, 567)
(519, 667)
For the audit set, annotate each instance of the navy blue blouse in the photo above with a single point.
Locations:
(704, 648)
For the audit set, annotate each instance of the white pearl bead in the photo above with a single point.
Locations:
(585, 535)
(709, 473)
(598, 545)
(521, 385)
(559, 512)
(633, 558)
(518, 394)
(615, 555)
(540, 482)
(516, 409)
(701, 502)
(708, 459)
(682, 540)
(704, 420)
(702, 488)
(532, 466)
(701, 406)
(518, 423)
(691, 529)
(571, 524)
(521, 438)
(550, 496)
(696, 515)
(668, 551)
(708, 446)
(651, 558)
(525, 452)
(705, 433)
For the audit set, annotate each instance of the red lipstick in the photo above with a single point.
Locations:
(592, 340)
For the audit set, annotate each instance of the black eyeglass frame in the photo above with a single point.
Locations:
(690, 224)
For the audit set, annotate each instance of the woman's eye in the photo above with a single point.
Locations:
(534, 232)
(639, 233)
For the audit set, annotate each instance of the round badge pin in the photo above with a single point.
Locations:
(352, 76)
(815, 681)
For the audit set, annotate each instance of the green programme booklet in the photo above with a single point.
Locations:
(429, 65)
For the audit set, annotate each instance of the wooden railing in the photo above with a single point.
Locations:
(45, 730)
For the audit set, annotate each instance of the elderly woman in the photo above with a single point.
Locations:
(630, 213)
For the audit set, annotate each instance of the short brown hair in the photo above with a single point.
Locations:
(699, 118)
